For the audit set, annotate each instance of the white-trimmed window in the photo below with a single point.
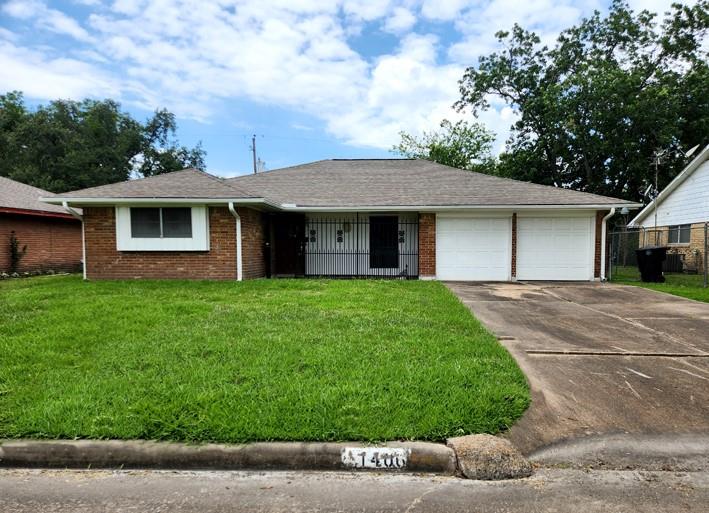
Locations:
(679, 234)
(160, 222)
(152, 228)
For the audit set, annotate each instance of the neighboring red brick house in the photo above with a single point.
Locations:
(51, 236)
(342, 218)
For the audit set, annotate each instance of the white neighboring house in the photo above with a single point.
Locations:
(682, 212)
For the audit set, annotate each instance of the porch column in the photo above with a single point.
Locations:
(427, 246)
(513, 265)
(600, 214)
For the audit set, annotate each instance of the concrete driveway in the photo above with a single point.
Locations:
(602, 360)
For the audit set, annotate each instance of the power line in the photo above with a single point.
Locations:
(269, 136)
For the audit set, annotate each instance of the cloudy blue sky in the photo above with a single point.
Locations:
(312, 78)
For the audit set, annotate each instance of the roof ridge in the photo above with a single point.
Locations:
(219, 179)
(278, 169)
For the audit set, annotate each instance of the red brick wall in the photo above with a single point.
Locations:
(599, 229)
(427, 245)
(513, 271)
(252, 243)
(104, 261)
(52, 243)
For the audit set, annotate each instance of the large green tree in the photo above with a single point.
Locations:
(461, 144)
(67, 145)
(595, 108)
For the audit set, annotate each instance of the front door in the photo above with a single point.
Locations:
(383, 242)
(289, 240)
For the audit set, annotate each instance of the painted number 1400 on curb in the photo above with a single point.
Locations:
(383, 458)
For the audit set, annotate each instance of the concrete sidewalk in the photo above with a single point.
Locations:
(35, 491)
(601, 360)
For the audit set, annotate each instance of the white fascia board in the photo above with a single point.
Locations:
(676, 182)
(78, 201)
(444, 208)
(158, 201)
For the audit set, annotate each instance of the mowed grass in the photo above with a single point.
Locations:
(685, 285)
(259, 360)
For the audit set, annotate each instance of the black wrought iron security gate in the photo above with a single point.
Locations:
(359, 245)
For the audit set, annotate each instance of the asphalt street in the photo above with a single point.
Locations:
(549, 490)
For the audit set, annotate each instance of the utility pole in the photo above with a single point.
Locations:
(253, 151)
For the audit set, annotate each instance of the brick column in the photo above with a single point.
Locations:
(427, 245)
(514, 246)
(600, 214)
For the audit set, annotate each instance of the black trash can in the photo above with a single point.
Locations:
(650, 261)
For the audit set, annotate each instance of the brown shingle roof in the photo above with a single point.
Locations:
(352, 183)
(188, 183)
(20, 196)
(402, 182)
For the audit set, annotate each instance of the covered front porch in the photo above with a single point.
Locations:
(343, 245)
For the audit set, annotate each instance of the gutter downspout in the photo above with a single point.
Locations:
(239, 272)
(603, 243)
(74, 213)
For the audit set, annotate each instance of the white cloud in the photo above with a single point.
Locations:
(400, 20)
(8, 35)
(193, 56)
(443, 9)
(22, 10)
(545, 17)
(129, 7)
(658, 6)
(40, 77)
(46, 18)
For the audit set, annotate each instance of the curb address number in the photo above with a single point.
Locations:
(383, 458)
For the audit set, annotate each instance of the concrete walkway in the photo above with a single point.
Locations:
(603, 360)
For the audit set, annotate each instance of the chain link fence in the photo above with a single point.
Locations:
(687, 253)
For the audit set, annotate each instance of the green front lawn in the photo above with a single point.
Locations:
(258, 360)
(686, 285)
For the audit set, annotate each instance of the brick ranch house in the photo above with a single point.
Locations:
(682, 212)
(342, 218)
(51, 236)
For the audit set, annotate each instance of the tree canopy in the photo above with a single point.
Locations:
(67, 145)
(594, 109)
(461, 144)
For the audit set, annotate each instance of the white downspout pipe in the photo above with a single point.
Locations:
(239, 272)
(603, 243)
(74, 213)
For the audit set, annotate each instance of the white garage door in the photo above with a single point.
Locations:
(474, 249)
(554, 248)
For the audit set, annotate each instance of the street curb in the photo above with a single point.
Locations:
(676, 452)
(420, 456)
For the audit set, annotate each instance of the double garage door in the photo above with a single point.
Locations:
(548, 248)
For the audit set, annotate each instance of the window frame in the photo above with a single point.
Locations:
(198, 241)
(679, 229)
(161, 223)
